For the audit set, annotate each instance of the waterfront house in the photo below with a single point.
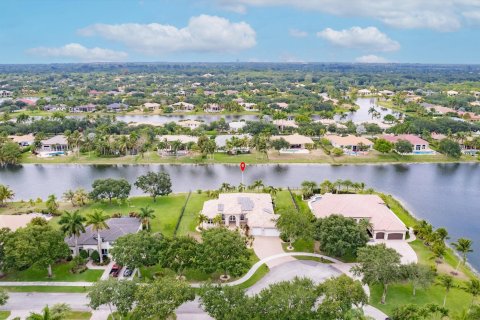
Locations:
(55, 144)
(281, 124)
(151, 106)
(16, 221)
(236, 125)
(249, 106)
(364, 92)
(182, 107)
(420, 146)
(5, 94)
(296, 142)
(84, 108)
(53, 108)
(452, 93)
(117, 107)
(253, 210)
(117, 227)
(192, 124)
(384, 224)
(350, 143)
(213, 107)
(24, 140)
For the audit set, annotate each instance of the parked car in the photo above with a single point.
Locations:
(115, 270)
(128, 272)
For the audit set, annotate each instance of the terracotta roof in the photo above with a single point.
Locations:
(295, 139)
(409, 137)
(349, 140)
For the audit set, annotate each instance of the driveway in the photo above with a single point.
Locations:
(402, 247)
(269, 246)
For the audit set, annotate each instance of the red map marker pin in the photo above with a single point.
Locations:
(242, 166)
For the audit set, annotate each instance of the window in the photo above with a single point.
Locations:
(104, 252)
(242, 217)
(210, 221)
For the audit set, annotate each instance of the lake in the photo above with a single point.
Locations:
(446, 195)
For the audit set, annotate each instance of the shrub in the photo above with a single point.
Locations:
(337, 152)
(83, 254)
(283, 237)
(95, 256)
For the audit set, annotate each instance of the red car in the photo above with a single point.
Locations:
(115, 270)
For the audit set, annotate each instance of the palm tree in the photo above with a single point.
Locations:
(57, 312)
(5, 194)
(463, 246)
(81, 196)
(307, 188)
(257, 184)
(52, 204)
(217, 220)
(202, 219)
(72, 225)
(98, 220)
(69, 195)
(145, 215)
(338, 183)
(473, 287)
(446, 281)
(326, 186)
(241, 187)
(226, 187)
(272, 190)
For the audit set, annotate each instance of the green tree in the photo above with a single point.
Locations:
(339, 235)
(419, 275)
(138, 250)
(378, 264)
(308, 188)
(343, 292)
(35, 245)
(110, 189)
(155, 184)
(463, 246)
(279, 144)
(161, 298)
(416, 312)
(294, 225)
(3, 297)
(225, 250)
(57, 312)
(450, 148)
(10, 153)
(72, 225)
(52, 204)
(446, 281)
(5, 194)
(473, 288)
(383, 146)
(98, 221)
(226, 302)
(145, 215)
(181, 254)
(114, 294)
(404, 146)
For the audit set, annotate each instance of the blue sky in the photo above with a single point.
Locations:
(414, 31)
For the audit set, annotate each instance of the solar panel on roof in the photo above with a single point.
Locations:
(245, 203)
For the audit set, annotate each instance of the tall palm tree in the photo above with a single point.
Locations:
(257, 184)
(98, 220)
(217, 220)
(145, 215)
(5, 194)
(202, 219)
(446, 281)
(463, 246)
(72, 224)
(473, 287)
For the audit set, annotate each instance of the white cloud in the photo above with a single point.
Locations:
(76, 51)
(441, 15)
(297, 33)
(472, 17)
(369, 38)
(371, 58)
(202, 34)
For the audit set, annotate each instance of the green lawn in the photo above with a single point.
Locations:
(47, 289)
(79, 315)
(4, 315)
(189, 220)
(283, 201)
(399, 210)
(400, 294)
(300, 245)
(259, 274)
(61, 272)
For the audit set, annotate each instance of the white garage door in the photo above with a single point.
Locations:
(267, 232)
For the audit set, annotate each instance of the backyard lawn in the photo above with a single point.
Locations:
(4, 315)
(61, 272)
(189, 220)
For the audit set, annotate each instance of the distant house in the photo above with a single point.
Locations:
(387, 93)
(152, 106)
(53, 108)
(418, 143)
(384, 224)
(221, 141)
(437, 108)
(236, 125)
(281, 124)
(452, 93)
(296, 141)
(182, 106)
(209, 93)
(117, 227)
(249, 106)
(117, 107)
(192, 124)
(56, 143)
(170, 151)
(84, 108)
(364, 92)
(5, 94)
(467, 146)
(281, 105)
(230, 92)
(213, 107)
(254, 210)
(16, 221)
(350, 143)
(29, 101)
(24, 141)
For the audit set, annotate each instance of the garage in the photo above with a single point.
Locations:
(395, 236)
(380, 235)
(266, 232)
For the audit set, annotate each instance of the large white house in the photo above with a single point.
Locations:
(117, 227)
(254, 210)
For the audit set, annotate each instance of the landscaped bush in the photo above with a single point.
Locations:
(117, 215)
(337, 152)
(79, 264)
(83, 254)
(95, 256)
(283, 237)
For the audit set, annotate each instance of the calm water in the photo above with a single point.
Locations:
(362, 115)
(445, 194)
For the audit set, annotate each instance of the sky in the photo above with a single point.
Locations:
(365, 31)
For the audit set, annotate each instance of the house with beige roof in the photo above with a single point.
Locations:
(14, 222)
(350, 143)
(384, 224)
(296, 141)
(192, 124)
(152, 106)
(24, 140)
(420, 146)
(182, 107)
(213, 107)
(281, 124)
(254, 210)
(56, 143)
